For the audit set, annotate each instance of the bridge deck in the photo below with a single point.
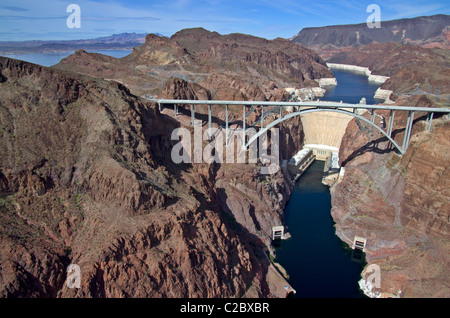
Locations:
(323, 105)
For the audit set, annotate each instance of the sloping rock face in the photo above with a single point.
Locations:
(427, 31)
(86, 178)
(234, 66)
(400, 204)
(176, 88)
(109, 68)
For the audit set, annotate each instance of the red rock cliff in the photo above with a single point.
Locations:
(400, 204)
(86, 178)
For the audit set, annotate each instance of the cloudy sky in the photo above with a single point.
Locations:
(46, 20)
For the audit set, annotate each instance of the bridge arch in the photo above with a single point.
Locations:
(313, 110)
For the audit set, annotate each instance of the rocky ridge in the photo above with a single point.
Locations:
(232, 67)
(426, 31)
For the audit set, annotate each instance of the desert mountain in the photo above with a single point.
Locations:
(234, 66)
(426, 31)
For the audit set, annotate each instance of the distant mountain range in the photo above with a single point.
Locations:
(122, 41)
(425, 31)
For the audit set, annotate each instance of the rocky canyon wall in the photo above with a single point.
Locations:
(400, 204)
(86, 178)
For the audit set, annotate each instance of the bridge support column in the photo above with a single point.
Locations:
(408, 129)
(429, 120)
(391, 123)
(262, 117)
(372, 117)
(209, 122)
(226, 125)
(243, 128)
(192, 114)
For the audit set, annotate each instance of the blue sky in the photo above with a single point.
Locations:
(46, 20)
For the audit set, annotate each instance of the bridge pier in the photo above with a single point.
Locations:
(373, 114)
(408, 129)
(226, 125)
(429, 120)
(262, 117)
(209, 122)
(243, 127)
(391, 123)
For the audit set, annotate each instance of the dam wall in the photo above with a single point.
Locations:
(325, 128)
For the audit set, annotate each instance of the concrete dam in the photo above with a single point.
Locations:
(325, 128)
(323, 135)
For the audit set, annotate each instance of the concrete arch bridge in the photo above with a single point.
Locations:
(337, 114)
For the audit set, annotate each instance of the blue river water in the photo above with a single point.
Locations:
(318, 263)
